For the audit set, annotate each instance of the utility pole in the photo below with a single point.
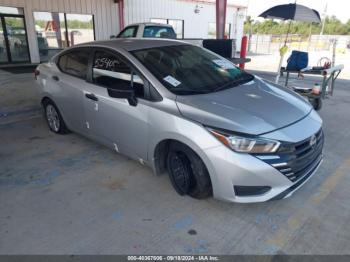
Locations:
(324, 15)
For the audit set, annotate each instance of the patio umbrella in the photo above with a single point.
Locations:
(291, 12)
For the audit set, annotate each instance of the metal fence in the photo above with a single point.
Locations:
(270, 44)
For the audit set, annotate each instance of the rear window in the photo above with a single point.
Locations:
(75, 63)
(159, 32)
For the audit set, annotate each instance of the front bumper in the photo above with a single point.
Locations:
(299, 183)
(229, 169)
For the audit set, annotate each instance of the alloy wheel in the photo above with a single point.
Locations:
(52, 118)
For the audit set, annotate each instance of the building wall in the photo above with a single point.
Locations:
(196, 25)
(107, 21)
(105, 16)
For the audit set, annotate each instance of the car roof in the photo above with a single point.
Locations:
(150, 24)
(131, 44)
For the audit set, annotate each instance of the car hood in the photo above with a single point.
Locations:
(254, 108)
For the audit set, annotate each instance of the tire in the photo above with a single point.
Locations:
(187, 172)
(317, 103)
(53, 118)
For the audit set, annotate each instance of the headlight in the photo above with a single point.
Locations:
(246, 144)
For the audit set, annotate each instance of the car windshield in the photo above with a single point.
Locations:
(188, 70)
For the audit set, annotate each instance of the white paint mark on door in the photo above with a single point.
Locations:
(116, 147)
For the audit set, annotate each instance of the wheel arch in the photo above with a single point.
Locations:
(159, 153)
(49, 98)
(46, 98)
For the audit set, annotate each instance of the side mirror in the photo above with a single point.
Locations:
(124, 92)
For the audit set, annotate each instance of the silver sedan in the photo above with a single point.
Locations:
(185, 111)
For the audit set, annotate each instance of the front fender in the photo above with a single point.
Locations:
(164, 126)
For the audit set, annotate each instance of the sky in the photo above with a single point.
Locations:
(339, 8)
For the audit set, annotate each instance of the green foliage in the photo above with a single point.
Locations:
(14, 22)
(76, 24)
(333, 26)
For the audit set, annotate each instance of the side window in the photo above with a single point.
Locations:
(128, 32)
(110, 71)
(75, 63)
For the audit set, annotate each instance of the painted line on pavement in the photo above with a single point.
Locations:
(286, 232)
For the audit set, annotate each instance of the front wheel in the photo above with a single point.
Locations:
(187, 172)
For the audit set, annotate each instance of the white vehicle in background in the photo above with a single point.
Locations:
(148, 30)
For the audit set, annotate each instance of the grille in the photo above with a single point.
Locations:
(295, 160)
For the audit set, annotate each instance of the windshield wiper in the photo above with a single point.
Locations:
(241, 79)
(189, 91)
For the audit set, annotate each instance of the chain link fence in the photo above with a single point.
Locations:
(270, 44)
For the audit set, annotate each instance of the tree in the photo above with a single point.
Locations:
(333, 26)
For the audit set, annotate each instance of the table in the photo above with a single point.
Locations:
(240, 60)
(329, 76)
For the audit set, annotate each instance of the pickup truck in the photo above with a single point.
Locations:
(148, 30)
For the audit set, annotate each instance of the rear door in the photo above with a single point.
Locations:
(114, 121)
(70, 80)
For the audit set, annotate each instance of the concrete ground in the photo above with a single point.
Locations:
(69, 195)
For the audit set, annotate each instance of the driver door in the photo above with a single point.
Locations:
(114, 121)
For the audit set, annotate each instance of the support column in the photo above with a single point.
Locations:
(121, 14)
(32, 37)
(220, 18)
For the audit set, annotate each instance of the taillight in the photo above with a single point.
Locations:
(36, 73)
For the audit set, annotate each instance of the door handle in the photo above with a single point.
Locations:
(56, 78)
(91, 96)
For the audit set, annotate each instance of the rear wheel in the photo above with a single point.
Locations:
(187, 172)
(54, 118)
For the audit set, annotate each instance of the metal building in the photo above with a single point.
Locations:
(31, 31)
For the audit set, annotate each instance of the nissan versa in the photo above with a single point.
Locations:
(181, 109)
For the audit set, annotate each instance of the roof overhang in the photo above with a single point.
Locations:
(213, 3)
